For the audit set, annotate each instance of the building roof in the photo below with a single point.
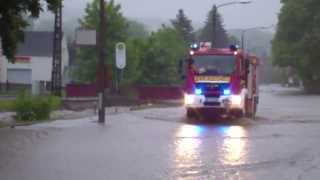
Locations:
(36, 43)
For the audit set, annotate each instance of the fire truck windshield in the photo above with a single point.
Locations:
(215, 64)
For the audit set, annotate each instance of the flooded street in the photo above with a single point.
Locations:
(282, 143)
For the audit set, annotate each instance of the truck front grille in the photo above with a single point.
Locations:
(212, 104)
(213, 89)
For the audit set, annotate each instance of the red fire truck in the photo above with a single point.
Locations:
(225, 81)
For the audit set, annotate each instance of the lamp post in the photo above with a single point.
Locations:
(249, 29)
(101, 79)
(215, 11)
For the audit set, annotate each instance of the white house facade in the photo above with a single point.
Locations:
(33, 60)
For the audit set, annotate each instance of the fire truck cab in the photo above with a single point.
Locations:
(226, 81)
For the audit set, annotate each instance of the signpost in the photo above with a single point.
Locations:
(86, 37)
(120, 61)
(121, 55)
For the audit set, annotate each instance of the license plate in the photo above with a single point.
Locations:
(212, 99)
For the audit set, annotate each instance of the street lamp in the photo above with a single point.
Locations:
(214, 23)
(233, 2)
(249, 29)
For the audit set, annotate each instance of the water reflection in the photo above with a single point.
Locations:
(234, 145)
(187, 153)
(191, 164)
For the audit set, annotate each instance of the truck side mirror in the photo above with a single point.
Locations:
(182, 68)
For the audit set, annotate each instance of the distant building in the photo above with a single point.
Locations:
(33, 63)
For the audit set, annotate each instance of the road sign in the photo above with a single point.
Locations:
(86, 37)
(121, 55)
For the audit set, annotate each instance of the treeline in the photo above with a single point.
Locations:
(152, 58)
(296, 43)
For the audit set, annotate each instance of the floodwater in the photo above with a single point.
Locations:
(282, 143)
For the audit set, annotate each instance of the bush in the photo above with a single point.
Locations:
(29, 108)
(23, 107)
(55, 102)
(41, 108)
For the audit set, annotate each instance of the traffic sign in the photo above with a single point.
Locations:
(121, 55)
(86, 37)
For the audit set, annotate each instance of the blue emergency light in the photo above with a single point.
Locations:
(195, 46)
(227, 92)
(233, 48)
(198, 91)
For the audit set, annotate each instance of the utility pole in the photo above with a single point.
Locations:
(101, 79)
(56, 80)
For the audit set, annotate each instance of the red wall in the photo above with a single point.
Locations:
(160, 92)
(81, 90)
(144, 92)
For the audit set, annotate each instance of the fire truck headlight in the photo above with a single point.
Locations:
(227, 92)
(236, 100)
(188, 99)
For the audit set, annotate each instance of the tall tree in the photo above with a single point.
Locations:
(219, 34)
(183, 25)
(137, 29)
(160, 62)
(136, 53)
(297, 39)
(116, 32)
(136, 50)
(13, 21)
(233, 40)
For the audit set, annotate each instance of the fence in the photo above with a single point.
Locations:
(159, 92)
(81, 90)
(144, 92)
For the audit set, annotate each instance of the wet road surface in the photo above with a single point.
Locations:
(283, 143)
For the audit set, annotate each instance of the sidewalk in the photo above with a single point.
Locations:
(6, 118)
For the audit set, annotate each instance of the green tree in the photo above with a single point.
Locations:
(136, 52)
(296, 41)
(137, 29)
(13, 21)
(233, 40)
(164, 49)
(136, 48)
(116, 32)
(183, 25)
(220, 37)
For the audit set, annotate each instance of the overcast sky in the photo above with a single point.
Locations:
(258, 13)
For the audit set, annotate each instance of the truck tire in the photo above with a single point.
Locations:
(254, 111)
(238, 113)
(190, 113)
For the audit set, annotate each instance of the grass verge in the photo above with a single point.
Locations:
(7, 105)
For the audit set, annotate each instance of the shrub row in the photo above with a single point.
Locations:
(31, 108)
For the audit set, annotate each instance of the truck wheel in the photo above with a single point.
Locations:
(238, 113)
(190, 113)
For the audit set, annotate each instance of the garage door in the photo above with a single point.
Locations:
(19, 76)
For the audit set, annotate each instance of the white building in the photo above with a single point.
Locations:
(33, 60)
